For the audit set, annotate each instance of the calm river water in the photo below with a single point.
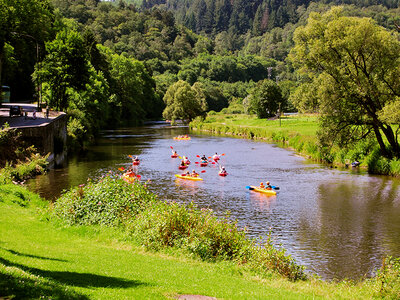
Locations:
(338, 223)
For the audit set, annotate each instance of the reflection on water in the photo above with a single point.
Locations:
(339, 223)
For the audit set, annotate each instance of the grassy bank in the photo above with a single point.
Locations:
(41, 257)
(299, 133)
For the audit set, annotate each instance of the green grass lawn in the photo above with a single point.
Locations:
(39, 258)
(302, 124)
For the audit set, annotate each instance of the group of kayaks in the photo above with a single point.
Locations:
(131, 176)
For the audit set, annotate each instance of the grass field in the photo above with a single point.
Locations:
(296, 124)
(41, 259)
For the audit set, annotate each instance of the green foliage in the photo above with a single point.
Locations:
(110, 202)
(183, 102)
(266, 98)
(11, 193)
(65, 66)
(353, 65)
(388, 278)
(201, 233)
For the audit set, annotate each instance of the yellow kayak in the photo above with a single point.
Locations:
(181, 138)
(188, 177)
(265, 191)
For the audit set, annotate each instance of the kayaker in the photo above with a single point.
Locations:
(194, 173)
(174, 153)
(268, 186)
(204, 158)
(136, 158)
(130, 173)
(222, 170)
(215, 156)
(183, 163)
(186, 174)
(262, 186)
(185, 159)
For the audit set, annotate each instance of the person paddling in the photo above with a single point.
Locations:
(194, 173)
(222, 170)
(268, 186)
(204, 158)
(215, 156)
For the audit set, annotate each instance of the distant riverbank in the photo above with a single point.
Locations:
(298, 132)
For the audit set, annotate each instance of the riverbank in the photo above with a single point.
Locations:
(298, 132)
(43, 257)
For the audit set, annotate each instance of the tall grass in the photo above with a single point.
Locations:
(22, 170)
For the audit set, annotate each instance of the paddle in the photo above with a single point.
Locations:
(121, 169)
(249, 188)
(203, 171)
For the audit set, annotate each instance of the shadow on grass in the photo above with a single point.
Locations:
(55, 282)
(20, 285)
(32, 256)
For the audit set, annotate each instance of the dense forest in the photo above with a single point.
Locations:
(119, 59)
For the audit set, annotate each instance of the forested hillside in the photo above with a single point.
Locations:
(120, 58)
(241, 16)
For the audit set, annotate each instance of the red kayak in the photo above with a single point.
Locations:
(174, 156)
(222, 174)
(136, 162)
(203, 164)
(182, 167)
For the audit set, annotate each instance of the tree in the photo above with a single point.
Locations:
(181, 102)
(65, 66)
(354, 66)
(266, 98)
(24, 26)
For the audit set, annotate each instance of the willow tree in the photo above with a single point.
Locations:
(182, 102)
(354, 67)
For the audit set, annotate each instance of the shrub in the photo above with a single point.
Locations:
(110, 201)
(388, 278)
(201, 233)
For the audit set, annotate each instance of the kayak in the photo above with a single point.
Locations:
(136, 162)
(174, 156)
(181, 138)
(188, 177)
(216, 158)
(222, 174)
(130, 179)
(203, 164)
(182, 167)
(265, 191)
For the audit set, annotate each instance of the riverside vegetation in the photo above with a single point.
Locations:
(18, 160)
(298, 132)
(94, 237)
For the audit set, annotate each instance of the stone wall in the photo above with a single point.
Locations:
(48, 138)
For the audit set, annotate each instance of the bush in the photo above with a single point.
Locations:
(110, 201)
(388, 279)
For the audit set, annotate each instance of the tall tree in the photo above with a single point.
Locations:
(355, 65)
(26, 23)
(266, 98)
(65, 66)
(181, 102)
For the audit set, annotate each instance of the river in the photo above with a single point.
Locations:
(338, 223)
